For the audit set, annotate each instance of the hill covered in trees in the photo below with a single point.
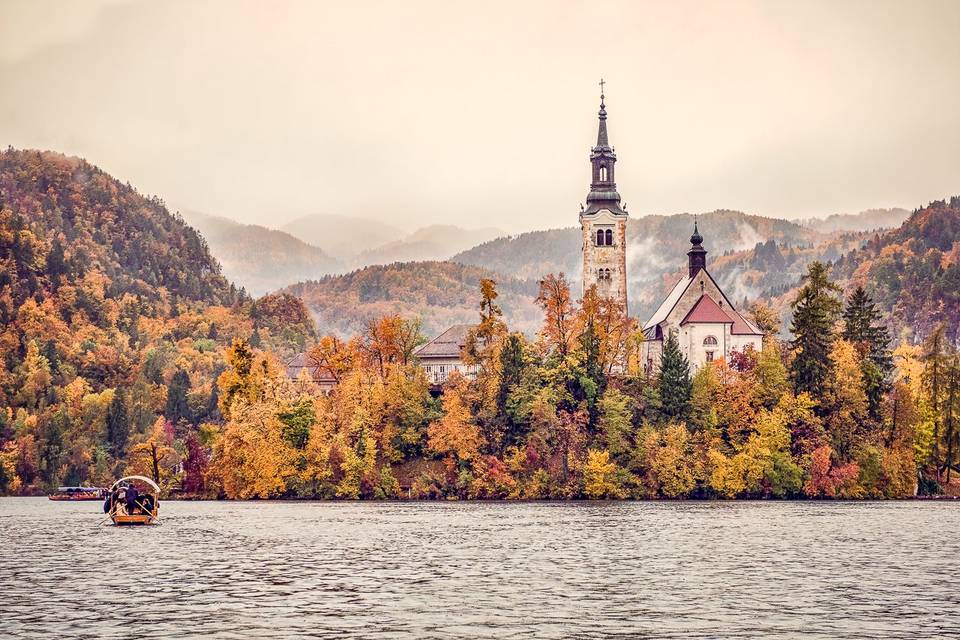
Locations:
(911, 272)
(439, 293)
(114, 319)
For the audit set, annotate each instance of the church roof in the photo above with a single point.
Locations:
(742, 326)
(669, 303)
(707, 311)
(448, 344)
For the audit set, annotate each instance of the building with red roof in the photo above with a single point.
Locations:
(697, 312)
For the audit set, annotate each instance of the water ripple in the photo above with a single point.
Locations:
(482, 570)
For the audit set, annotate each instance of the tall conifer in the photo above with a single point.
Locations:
(814, 313)
(862, 326)
(675, 384)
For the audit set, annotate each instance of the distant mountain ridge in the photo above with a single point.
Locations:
(440, 293)
(260, 259)
(434, 242)
(342, 236)
(869, 220)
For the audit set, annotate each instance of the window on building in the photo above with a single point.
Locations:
(603, 174)
(606, 274)
(599, 237)
(710, 341)
(709, 356)
(609, 237)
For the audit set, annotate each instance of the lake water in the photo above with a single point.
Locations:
(483, 570)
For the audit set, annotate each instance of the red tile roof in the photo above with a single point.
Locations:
(706, 310)
(742, 326)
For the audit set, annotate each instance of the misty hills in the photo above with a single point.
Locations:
(869, 220)
(260, 259)
(434, 242)
(440, 293)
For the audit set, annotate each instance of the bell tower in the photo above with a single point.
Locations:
(604, 222)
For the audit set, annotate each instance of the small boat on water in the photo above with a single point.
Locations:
(133, 500)
(78, 493)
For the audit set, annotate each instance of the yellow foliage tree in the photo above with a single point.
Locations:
(600, 477)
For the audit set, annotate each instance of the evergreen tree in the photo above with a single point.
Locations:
(177, 406)
(674, 381)
(936, 361)
(511, 371)
(255, 341)
(118, 424)
(814, 313)
(862, 327)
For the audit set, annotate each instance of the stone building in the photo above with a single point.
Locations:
(707, 325)
(604, 223)
(443, 355)
(304, 370)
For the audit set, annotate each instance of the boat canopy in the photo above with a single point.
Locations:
(129, 479)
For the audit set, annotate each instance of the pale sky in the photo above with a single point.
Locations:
(483, 113)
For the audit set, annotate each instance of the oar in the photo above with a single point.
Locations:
(152, 515)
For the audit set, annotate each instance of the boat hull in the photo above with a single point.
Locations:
(137, 519)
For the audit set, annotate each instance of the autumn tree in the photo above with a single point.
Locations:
(455, 433)
(559, 329)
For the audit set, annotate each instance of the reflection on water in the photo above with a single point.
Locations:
(484, 570)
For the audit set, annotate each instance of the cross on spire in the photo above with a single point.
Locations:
(602, 82)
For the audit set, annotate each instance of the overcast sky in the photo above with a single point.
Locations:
(483, 113)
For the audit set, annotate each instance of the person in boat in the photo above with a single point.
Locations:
(131, 499)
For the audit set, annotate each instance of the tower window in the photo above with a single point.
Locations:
(609, 236)
(599, 237)
(710, 341)
(709, 356)
(606, 274)
(603, 173)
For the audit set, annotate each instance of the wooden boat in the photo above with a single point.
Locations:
(133, 500)
(78, 493)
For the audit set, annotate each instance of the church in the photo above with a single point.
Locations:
(697, 312)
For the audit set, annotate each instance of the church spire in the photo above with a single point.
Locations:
(602, 141)
(697, 256)
(603, 188)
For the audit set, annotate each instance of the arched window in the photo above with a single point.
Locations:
(599, 237)
(599, 274)
(609, 235)
(606, 274)
(603, 173)
(710, 341)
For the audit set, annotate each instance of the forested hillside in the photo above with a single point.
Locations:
(440, 293)
(913, 272)
(114, 318)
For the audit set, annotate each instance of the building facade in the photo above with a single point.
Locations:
(697, 312)
(443, 355)
(604, 223)
(305, 370)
